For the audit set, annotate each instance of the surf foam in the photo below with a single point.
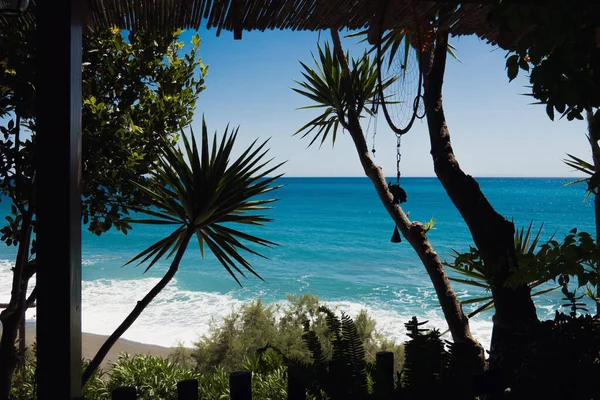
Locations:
(181, 316)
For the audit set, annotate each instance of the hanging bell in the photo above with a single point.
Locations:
(396, 236)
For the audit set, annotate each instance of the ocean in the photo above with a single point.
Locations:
(334, 241)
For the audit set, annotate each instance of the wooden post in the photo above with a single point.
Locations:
(187, 390)
(124, 393)
(295, 388)
(240, 385)
(384, 375)
(58, 198)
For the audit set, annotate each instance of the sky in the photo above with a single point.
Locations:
(494, 129)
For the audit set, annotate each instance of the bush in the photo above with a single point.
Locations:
(563, 361)
(23, 387)
(182, 356)
(255, 325)
(228, 347)
(153, 377)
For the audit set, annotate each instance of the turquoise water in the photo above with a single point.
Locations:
(334, 241)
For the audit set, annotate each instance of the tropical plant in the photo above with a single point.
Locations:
(592, 180)
(539, 264)
(202, 193)
(326, 86)
(402, 39)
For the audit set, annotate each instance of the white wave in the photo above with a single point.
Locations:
(181, 316)
(6, 278)
(175, 316)
(390, 323)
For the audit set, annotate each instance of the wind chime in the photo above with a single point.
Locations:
(401, 99)
(399, 195)
(397, 192)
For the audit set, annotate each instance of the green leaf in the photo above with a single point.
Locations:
(512, 67)
(550, 111)
(196, 41)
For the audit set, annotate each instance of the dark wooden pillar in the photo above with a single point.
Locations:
(58, 198)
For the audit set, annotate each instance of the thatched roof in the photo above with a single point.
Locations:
(246, 15)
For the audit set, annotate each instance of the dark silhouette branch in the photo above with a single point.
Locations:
(414, 232)
(136, 312)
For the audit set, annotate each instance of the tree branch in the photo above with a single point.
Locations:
(414, 232)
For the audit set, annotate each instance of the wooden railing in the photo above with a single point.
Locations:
(240, 384)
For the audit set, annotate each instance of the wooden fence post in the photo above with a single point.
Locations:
(296, 390)
(187, 390)
(124, 393)
(240, 385)
(384, 375)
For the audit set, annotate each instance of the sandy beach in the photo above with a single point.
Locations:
(92, 342)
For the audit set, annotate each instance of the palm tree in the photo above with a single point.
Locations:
(202, 194)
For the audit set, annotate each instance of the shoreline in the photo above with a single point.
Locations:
(91, 342)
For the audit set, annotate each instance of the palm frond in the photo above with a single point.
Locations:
(324, 85)
(206, 193)
(470, 265)
(391, 40)
(592, 181)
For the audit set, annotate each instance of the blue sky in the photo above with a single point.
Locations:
(494, 130)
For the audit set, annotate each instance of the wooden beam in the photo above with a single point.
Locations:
(237, 9)
(58, 198)
(376, 22)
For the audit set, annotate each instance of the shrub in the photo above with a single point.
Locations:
(153, 377)
(182, 356)
(255, 325)
(23, 387)
(563, 361)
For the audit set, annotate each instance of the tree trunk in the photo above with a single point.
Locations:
(136, 312)
(492, 233)
(8, 354)
(415, 234)
(593, 136)
(11, 317)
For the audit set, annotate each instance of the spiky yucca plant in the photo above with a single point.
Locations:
(587, 168)
(470, 265)
(202, 194)
(325, 85)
